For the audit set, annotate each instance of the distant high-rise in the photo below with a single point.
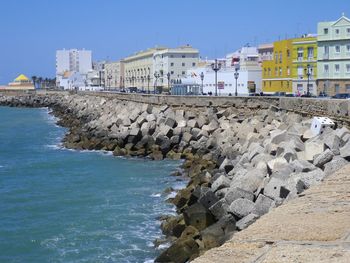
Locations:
(73, 60)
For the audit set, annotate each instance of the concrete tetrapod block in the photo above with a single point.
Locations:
(208, 199)
(221, 182)
(241, 207)
(345, 151)
(246, 221)
(334, 165)
(273, 188)
(235, 193)
(263, 205)
(313, 148)
(219, 209)
(323, 158)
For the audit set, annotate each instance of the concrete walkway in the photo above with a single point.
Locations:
(312, 228)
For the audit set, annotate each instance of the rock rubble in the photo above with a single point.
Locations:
(241, 163)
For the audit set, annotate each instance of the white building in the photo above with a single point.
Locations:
(176, 62)
(69, 62)
(114, 75)
(249, 78)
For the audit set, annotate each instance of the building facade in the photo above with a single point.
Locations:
(249, 74)
(333, 65)
(176, 62)
(72, 61)
(277, 76)
(139, 70)
(304, 69)
(114, 75)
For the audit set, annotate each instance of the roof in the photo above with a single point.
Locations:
(21, 77)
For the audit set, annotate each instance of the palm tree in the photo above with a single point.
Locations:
(34, 79)
(40, 81)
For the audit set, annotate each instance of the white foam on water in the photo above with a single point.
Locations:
(149, 261)
(155, 195)
(163, 246)
(171, 195)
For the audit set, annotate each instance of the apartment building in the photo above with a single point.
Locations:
(114, 75)
(172, 63)
(333, 65)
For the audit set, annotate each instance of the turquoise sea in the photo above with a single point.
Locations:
(60, 205)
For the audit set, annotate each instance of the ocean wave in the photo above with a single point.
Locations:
(155, 195)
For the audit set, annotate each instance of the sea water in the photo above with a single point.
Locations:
(61, 205)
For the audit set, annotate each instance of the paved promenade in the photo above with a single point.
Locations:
(312, 228)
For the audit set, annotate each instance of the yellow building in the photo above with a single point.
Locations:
(277, 76)
(304, 70)
(22, 82)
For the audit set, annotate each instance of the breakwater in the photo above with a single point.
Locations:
(244, 156)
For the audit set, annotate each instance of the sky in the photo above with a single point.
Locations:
(32, 30)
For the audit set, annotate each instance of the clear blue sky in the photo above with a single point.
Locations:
(31, 31)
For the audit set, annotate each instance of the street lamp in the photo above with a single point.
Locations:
(168, 77)
(148, 80)
(202, 78)
(216, 67)
(142, 80)
(236, 74)
(109, 77)
(308, 72)
(156, 75)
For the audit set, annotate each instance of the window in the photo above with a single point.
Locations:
(337, 31)
(183, 64)
(325, 31)
(300, 72)
(348, 48)
(337, 88)
(183, 73)
(171, 64)
(310, 52)
(183, 56)
(337, 49)
(326, 50)
(280, 57)
(326, 68)
(300, 54)
(172, 72)
(269, 71)
(276, 57)
(288, 71)
(336, 68)
(347, 86)
(348, 31)
(288, 53)
(193, 64)
(276, 71)
(347, 68)
(280, 71)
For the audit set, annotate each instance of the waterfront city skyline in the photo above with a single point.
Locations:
(113, 30)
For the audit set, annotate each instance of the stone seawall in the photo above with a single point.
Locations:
(243, 157)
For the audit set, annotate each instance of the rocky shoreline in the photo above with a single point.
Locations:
(241, 162)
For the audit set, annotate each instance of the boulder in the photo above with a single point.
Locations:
(170, 122)
(278, 136)
(241, 207)
(187, 137)
(275, 164)
(249, 181)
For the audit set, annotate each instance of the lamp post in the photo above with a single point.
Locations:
(308, 72)
(202, 78)
(148, 81)
(236, 74)
(142, 80)
(156, 75)
(109, 77)
(216, 67)
(168, 77)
